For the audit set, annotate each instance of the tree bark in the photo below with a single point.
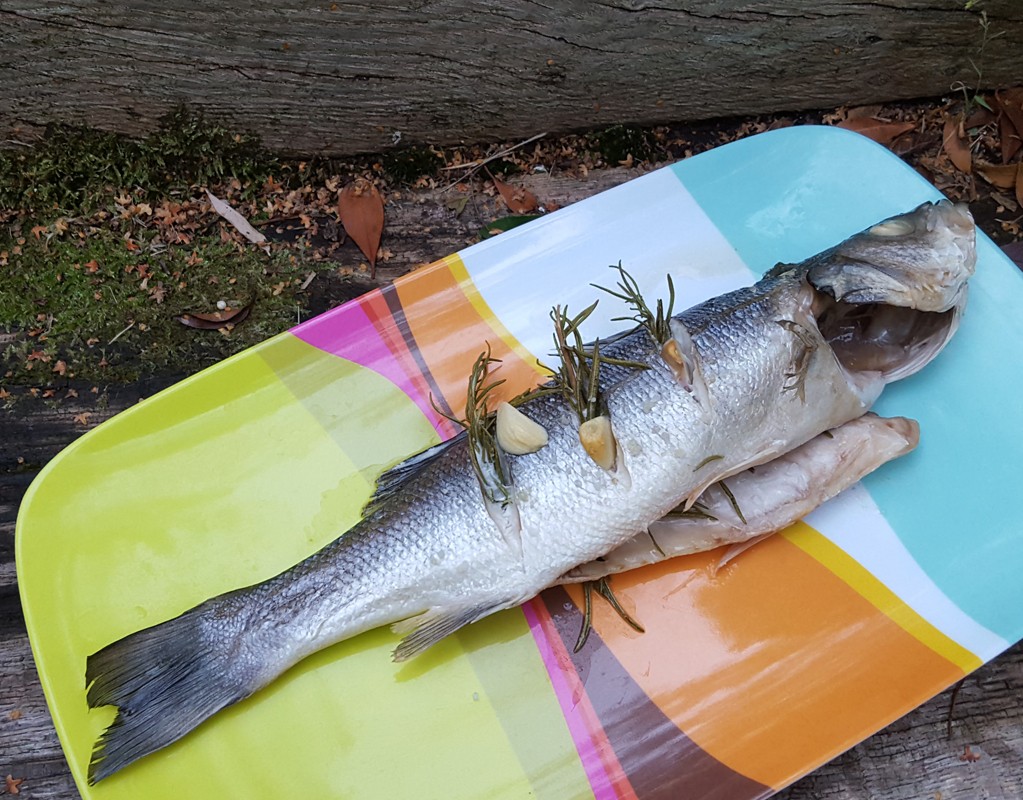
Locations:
(346, 77)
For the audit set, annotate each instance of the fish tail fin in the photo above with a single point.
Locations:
(164, 681)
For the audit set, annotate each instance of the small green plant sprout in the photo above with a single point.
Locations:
(974, 98)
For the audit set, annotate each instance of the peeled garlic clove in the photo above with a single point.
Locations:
(516, 433)
(673, 356)
(599, 441)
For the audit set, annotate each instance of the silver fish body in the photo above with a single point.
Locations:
(761, 378)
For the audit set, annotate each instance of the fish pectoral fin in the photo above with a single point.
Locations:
(425, 630)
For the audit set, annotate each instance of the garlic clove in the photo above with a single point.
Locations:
(516, 433)
(598, 441)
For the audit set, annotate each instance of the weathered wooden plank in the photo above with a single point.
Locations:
(350, 77)
(915, 757)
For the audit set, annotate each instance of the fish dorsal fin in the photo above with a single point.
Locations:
(391, 481)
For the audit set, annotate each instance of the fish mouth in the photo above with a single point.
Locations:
(889, 299)
(889, 341)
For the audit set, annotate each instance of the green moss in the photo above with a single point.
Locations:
(108, 313)
(73, 170)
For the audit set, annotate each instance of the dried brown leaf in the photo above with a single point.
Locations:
(956, 148)
(881, 132)
(1001, 175)
(216, 320)
(862, 112)
(361, 209)
(979, 118)
(1008, 140)
(518, 199)
(237, 221)
(969, 755)
(1010, 103)
(1019, 184)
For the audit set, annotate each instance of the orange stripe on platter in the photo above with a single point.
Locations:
(771, 666)
(451, 332)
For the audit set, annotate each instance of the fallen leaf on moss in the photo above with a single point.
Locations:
(216, 320)
(361, 210)
(239, 222)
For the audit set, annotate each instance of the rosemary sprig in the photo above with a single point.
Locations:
(698, 510)
(706, 461)
(479, 424)
(603, 588)
(732, 500)
(579, 372)
(656, 323)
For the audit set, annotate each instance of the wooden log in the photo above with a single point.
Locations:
(337, 78)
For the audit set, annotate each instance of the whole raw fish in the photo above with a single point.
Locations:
(736, 382)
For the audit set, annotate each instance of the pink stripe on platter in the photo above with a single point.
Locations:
(348, 332)
(593, 766)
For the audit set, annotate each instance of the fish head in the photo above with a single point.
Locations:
(921, 259)
(889, 298)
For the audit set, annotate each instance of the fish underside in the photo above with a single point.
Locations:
(753, 375)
